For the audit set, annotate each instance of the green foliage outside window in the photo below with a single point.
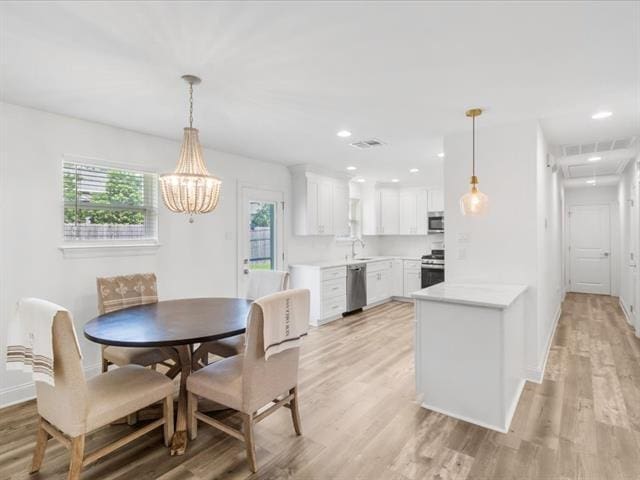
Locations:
(122, 189)
(262, 217)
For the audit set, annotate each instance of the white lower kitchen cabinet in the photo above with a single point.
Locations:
(386, 278)
(379, 281)
(412, 277)
(397, 278)
(328, 290)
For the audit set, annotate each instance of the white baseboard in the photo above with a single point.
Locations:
(625, 310)
(26, 391)
(536, 375)
(402, 299)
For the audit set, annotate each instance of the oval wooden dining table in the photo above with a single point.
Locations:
(175, 325)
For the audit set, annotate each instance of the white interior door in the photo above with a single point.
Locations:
(589, 249)
(260, 233)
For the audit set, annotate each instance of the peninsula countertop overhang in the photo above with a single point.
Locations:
(488, 295)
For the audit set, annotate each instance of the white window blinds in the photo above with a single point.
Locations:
(104, 203)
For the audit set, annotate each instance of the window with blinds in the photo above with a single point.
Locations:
(105, 204)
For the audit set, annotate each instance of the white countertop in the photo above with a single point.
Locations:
(343, 262)
(482, 295)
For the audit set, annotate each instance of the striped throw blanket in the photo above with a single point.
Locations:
(30, 341)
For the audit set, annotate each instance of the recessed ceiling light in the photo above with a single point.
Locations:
(601, 115)
(360, 180)
(395, 180)
(441, 155)
(352, 168)
(594, 159)
(591, 182)
(344, 133)
(414, 170)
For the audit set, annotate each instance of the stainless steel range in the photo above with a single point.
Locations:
(433, 268)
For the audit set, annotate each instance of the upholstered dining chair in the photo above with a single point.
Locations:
(249, 382)
(116, 293)
(74, 407)
(261, 283)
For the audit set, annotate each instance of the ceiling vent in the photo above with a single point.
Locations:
(365, 144)
(599, 147)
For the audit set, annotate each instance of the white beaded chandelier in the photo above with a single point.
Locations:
(190, 188)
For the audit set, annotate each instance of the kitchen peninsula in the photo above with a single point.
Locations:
(470, 351)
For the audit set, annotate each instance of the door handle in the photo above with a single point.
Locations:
(246, 271)
(606, 254)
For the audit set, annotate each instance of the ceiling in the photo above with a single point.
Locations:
(281, 78)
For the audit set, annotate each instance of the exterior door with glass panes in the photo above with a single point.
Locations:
(260, 233)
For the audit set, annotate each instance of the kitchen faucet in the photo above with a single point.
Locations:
(353, 246)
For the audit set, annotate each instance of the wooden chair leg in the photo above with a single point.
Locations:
(42, 438)
(132, 419)
(77, 456)
(167, 410)
(295, 411)
(192, 421)
(249, 441)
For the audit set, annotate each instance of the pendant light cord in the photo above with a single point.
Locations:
(473, 155)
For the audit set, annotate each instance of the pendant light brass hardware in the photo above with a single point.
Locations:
(475, 202)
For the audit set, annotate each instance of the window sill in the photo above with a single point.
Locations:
(87, 250)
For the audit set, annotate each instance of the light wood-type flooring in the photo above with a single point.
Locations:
(360, 420)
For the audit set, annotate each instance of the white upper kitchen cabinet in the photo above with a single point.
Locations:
(325, 207)
(436, 200)
(341, 205)
(388, 210)
(413, 211)
(320, 204)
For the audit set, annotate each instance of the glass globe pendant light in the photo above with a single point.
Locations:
(474, 202)
(190, 188)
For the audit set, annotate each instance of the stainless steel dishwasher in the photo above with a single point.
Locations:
(356, 286)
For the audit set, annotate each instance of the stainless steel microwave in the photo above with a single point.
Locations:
(436, 222)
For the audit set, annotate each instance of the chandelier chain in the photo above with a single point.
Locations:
(190, 104)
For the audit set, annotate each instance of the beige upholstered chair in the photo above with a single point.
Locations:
(116, 293)
(74, 406)
(261, 283)
(248, 382)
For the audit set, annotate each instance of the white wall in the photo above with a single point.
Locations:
(510, 244)
(550, 210)
(599, 195)
(628, 207)
(198, 259)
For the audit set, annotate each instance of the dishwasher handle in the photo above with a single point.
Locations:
(358, 267)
